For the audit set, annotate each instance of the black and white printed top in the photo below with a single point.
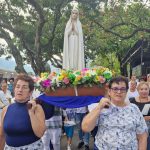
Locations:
(118, 128)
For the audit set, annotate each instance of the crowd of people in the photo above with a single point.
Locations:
(120, 121)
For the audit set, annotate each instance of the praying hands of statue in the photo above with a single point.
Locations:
(73, 27)
(74, 31)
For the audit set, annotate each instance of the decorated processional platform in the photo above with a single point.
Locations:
(74, 89)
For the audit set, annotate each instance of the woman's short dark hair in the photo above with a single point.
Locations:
(26, 78)
(117, 80)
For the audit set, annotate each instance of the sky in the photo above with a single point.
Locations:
(11, 64)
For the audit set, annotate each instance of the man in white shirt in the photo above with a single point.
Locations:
(7, 93)
(133, 78)
(83, 136)
(3, 101)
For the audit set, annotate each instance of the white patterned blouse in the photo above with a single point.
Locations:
(118, 128)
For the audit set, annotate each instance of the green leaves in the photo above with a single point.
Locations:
(36, 29)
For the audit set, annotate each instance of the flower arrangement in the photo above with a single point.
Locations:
(69, 78)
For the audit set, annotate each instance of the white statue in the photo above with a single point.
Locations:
(73, 51)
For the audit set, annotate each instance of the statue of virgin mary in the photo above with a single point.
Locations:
(73, 49)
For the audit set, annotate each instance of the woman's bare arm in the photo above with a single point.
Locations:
(2, 135)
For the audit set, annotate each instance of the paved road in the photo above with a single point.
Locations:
(74, 142)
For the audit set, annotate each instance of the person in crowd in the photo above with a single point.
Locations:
(23, 122)
(121, 126)
(63, 129)
(148, 79)
(6, 91)
(3, 102)
(132, 91)
(53, 131)
(4, 80)
(11, 86)
(133, 78)
(142, 78)
(69, 124)
(143, 102)
(73, 50)
(83, 136)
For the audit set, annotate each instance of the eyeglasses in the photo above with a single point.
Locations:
(22, 87)
(122, 90)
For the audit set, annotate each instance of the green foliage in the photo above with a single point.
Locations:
(36, 30)
(114, 31)
(108, 60)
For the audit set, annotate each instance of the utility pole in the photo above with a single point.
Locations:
(142, 58)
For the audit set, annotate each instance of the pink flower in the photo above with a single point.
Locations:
(85, 69)
(52, 75)
(83, 73)
(36, 79)
(66, 80)
(102, 79)
(46, 83)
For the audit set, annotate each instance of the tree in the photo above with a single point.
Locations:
(116, 29)
(33, 30)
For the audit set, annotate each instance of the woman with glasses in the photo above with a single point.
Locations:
(23, 122)
(121, 126)
(143, 102)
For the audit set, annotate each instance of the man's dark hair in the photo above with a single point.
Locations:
(118, 80)
(26, 78)
(11, 79)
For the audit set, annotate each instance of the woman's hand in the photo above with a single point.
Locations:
(89, 121)
(104, 103)
(31, 106)
(37, 118)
